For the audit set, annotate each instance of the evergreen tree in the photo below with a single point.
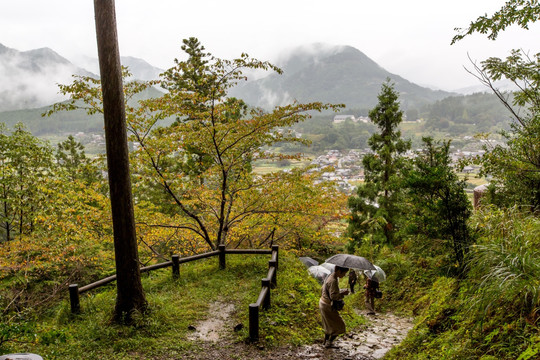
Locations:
(377, 201)
(439, 207)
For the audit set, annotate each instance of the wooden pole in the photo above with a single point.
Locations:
(273, 280)
(222, 262)
(253, 322)
(74, 298)
(276, 249)
(130, 295)
(266, 303)
(176, 266)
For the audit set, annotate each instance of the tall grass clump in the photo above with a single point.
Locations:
(505, 264)
(503, 293)
(491, 312)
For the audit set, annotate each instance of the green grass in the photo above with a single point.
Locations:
(265, 167)
(174, 305)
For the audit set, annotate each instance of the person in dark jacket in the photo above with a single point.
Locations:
(353, 279)
(371, 288)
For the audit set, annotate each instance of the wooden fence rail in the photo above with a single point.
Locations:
(270, 282)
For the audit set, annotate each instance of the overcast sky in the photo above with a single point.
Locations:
(409, 38)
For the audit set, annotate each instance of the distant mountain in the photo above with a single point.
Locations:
(504, 85)
(336, 74)
(29, 78)
(63, 122)
(140, 69)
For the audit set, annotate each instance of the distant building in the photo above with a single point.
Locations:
(468, 169)
(341, 118)
(363, 119)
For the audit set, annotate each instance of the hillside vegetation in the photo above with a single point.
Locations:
(176, 304)
(469, 276)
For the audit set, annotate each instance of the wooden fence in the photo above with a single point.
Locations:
(269, 282)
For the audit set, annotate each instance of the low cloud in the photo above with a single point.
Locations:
(28, 83)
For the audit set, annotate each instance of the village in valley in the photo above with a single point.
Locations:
(344, 167)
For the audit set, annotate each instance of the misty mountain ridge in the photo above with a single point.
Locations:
(315, 72)
(335, 74)
(30, 78)
(140, 69)
(504, 85)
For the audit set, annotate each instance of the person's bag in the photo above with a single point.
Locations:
(338, 304)
(378, 294)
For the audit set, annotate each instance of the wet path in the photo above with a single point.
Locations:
(383, 332)
(371, 342)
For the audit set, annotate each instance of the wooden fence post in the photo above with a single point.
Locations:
(273, 280)
(222, 263)
(276, 249)
(266, 302)
(253, 322)
(74, 298)
(176, 266)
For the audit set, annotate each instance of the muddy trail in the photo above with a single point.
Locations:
(213, 340)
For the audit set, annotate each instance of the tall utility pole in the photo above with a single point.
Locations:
(130, 294)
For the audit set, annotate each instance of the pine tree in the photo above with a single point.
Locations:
(375, 208)
(439, 207)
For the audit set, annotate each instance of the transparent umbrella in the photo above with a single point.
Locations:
(306, 260)
(330, 267)
(319, 272)
(378, 274)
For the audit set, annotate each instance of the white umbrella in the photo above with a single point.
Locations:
(330, 267)
(378, 274)
(319, 272)
(306, 260)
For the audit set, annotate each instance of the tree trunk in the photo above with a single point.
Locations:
(130, 294)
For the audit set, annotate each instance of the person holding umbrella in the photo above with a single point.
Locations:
(333, 324)
(373, 277)
(371, 286)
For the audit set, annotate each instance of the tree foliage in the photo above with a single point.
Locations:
(25, 164)
(71, 159)
(519, 12)
(376, 205)
(438, 205)
(203, 162)
(199, 169)
(516, 166)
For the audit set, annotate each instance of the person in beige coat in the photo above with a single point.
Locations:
(333, 324)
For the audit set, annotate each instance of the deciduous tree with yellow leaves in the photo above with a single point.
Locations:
(199, 169)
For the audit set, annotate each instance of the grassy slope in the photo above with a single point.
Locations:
(492, 313)
(175, 304)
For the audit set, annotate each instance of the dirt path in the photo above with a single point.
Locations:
(383, 332)
(215, 327)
